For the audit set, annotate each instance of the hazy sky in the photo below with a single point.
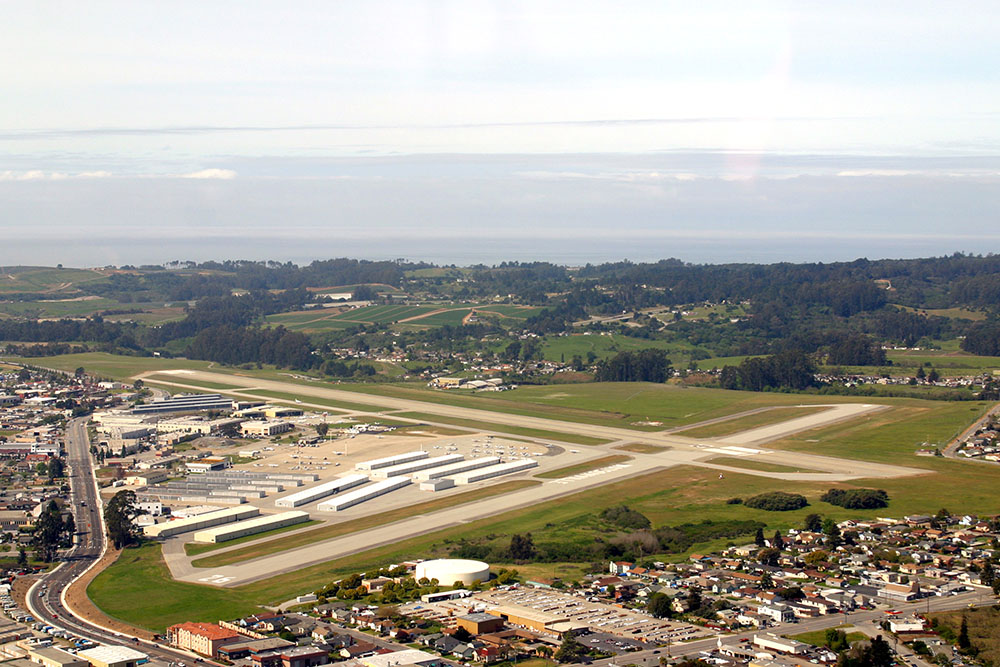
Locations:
(310, 123)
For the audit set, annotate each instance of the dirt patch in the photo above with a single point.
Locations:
(81, 605)
(20, 590)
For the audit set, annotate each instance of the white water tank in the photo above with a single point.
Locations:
(449, 570)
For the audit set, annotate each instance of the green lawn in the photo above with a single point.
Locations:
(739, 424)
(138, 590)
(163, 377)
(818, 637)
(752, 464)
(505, 428)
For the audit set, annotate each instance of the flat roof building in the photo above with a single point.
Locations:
(113, 656)
(185, 403)
(50, 656)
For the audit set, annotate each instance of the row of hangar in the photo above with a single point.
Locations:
(386, 475)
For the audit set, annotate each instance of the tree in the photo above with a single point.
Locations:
(758, 537)
(815, 557)
(778, 542)
(659, 605)
(768, 556)
(987, 574)
(22, 556)
(832, 532)
(322, 429)
(119, 516)
(522, 547)
(79, 372)
(933, 375)
(814, 523)
(56, 469)
(69, 525)
(462, 635)
(570, 650)
(49, 531)
(963, 635)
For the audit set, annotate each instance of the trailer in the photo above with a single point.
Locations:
(364, 493)
(323, 490)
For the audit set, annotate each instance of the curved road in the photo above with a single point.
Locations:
(46, 598)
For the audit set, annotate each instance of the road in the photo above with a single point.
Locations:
(46, 598)
(863, 619)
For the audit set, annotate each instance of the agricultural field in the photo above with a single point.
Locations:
(44, 279)
(77, 307)
(419, 316)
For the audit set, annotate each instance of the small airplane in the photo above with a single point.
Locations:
(721, 475)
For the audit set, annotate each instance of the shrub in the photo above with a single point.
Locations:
(777, 501)
(624, 517)
(734, 501)
(857, 499)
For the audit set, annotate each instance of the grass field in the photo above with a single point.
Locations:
(44, 279)
(983, 624)
(738, 424)
(576, 469)
(505, 428)
(560, 348)
(642, 448)
(818, 637)
(164, 377)
(343, 405)
(752, 464)
(197, 548)
(362, 523)
(137, 589)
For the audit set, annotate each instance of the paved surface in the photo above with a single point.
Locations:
(678, 450)
(46, 599)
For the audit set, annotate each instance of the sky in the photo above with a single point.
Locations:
(484, 131)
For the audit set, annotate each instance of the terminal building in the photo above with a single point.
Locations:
(185, 403)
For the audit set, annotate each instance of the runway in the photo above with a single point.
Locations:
(678, 450)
